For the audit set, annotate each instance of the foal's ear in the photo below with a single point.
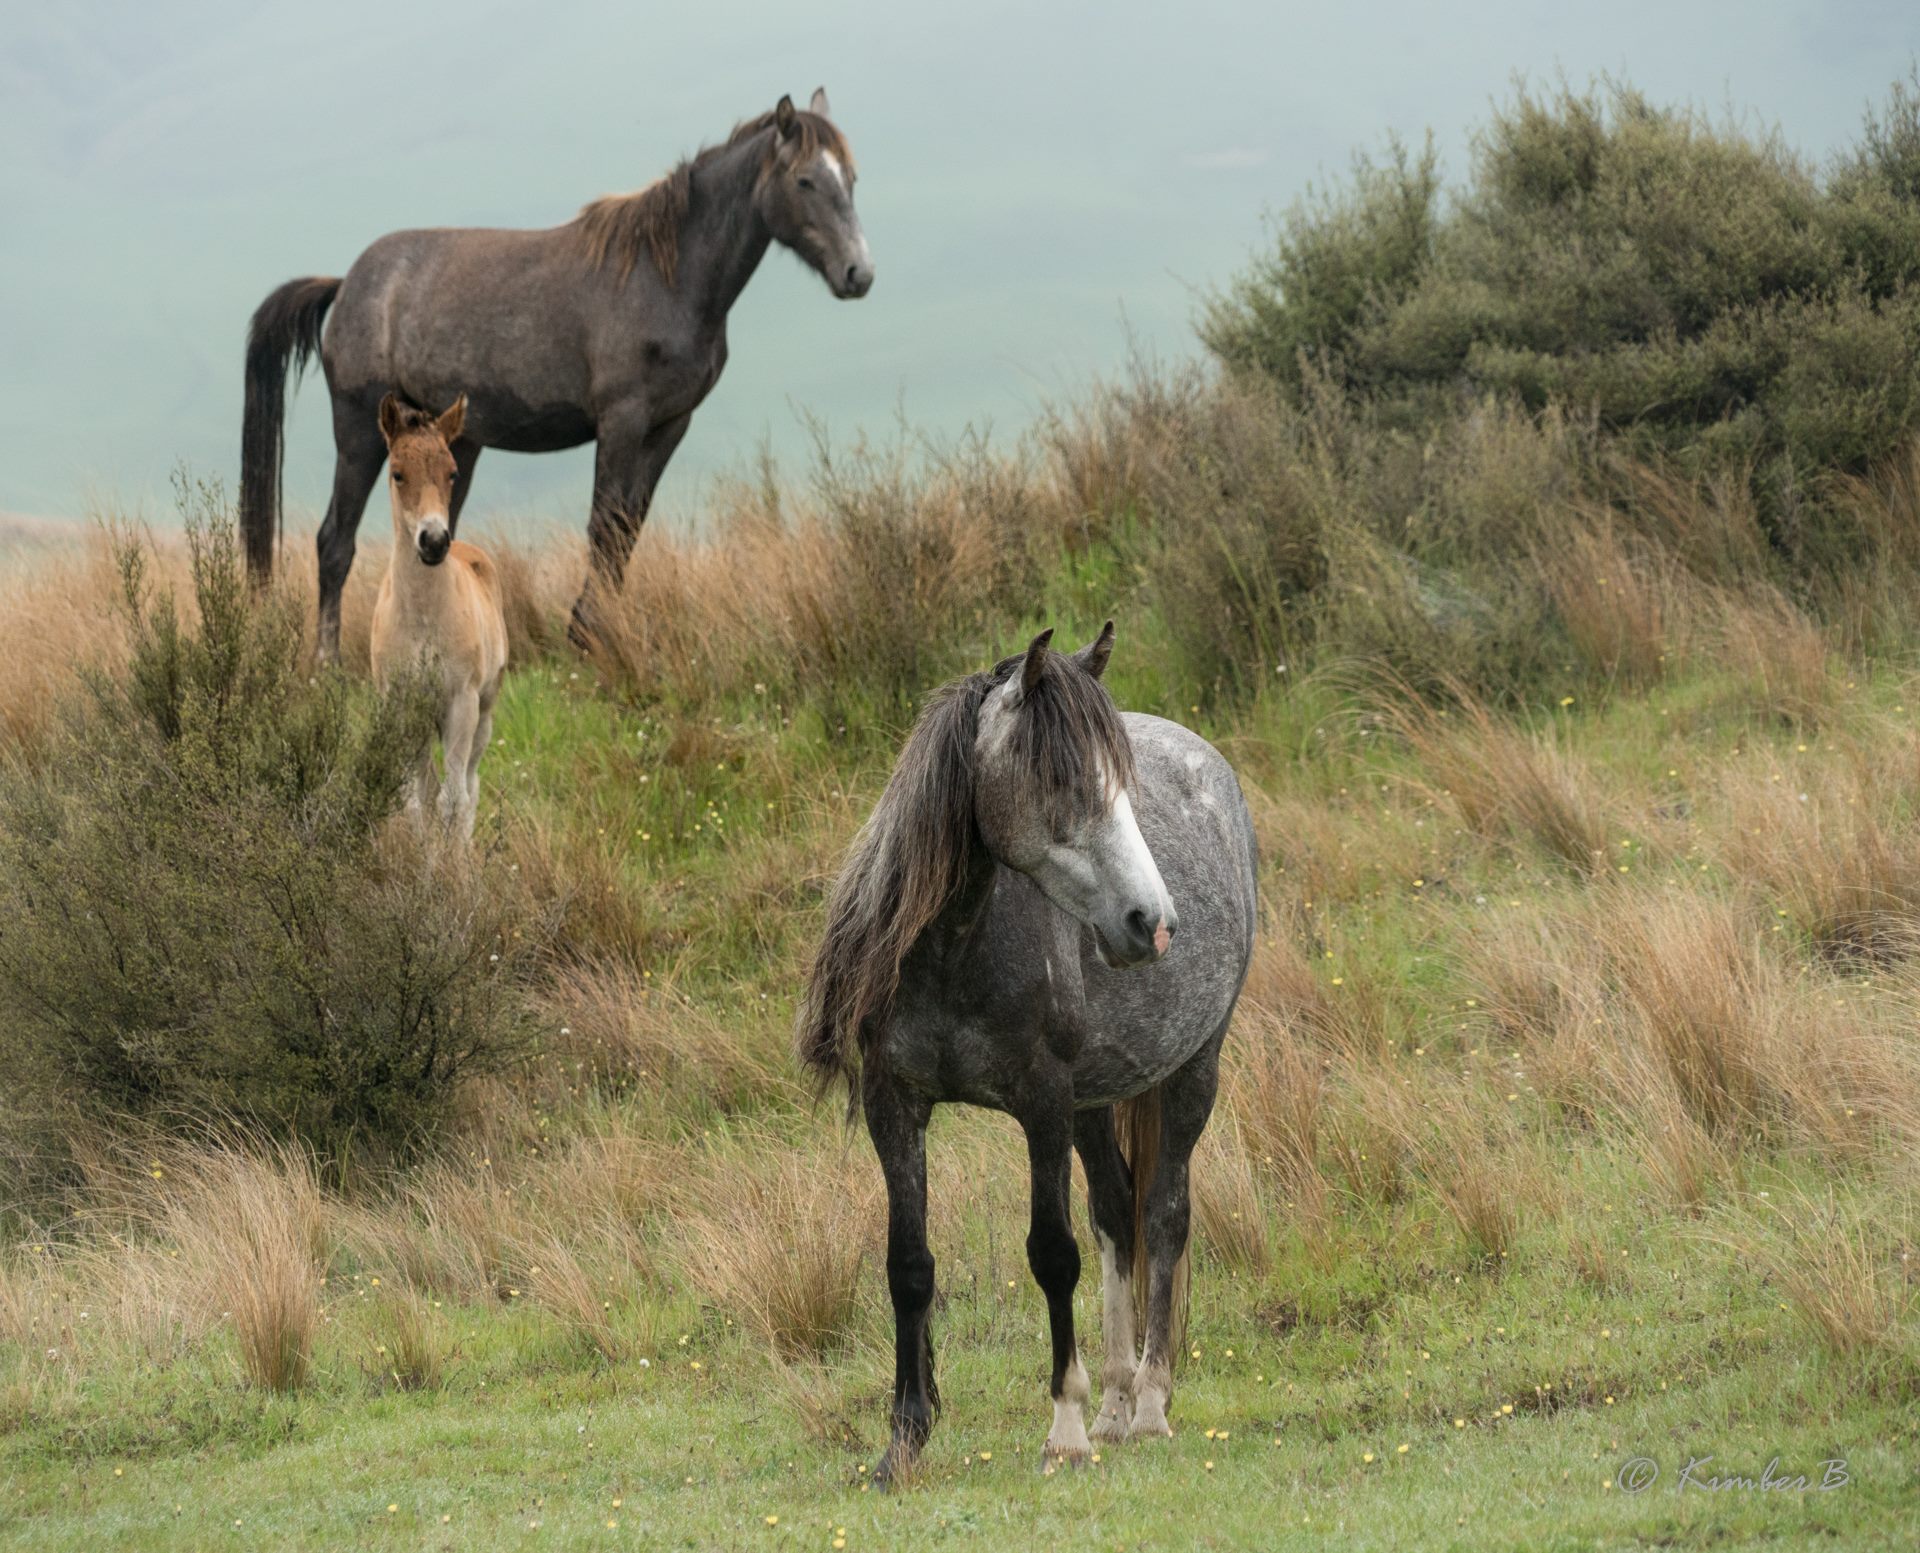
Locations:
(784, 118)
(393, 418)
(1093, 657)
(452, 420)
(819, 103)
(1036, 662)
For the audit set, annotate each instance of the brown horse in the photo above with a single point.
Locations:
(440, 603)
(610, 329)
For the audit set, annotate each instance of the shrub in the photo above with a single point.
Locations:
(201, 914)
(1694, 283)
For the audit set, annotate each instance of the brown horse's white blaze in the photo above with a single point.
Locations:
(441, 604)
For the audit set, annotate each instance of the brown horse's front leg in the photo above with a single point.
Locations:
(628, 462)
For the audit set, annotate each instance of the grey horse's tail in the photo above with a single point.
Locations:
(1137, 1126)
(285, 329)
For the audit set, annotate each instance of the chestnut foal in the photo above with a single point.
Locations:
(440, 603)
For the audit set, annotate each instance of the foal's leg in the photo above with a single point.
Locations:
(482, 734)
(897, 1124)
(462, 722)
(1110, 1198)
(1186, 1101)
(358, 455)
(1055, 1260)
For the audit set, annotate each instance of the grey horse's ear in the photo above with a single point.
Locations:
(819, 103)
(1036, 663)
(393, 418)
(1093, 657)
(453, 420)
(784, 118)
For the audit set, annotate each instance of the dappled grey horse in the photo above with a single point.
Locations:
(610, 329)
(1004, 934)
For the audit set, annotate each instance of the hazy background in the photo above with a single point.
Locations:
(1036, 181)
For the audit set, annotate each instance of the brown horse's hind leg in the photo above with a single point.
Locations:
(358, 455)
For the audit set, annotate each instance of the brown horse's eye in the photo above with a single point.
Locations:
(398, 478)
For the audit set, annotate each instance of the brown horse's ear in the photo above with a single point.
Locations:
(1093, 657)
(785, 119)
(1036, 663)
(452, 420)
(393, 418)
(819, 103)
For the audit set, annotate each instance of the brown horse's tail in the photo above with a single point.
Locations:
(1137, 1125)
(285, 329)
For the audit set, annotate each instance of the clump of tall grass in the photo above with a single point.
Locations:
(777, 1239)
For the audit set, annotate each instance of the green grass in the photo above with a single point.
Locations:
(1615, 1326)
(1305, 1371)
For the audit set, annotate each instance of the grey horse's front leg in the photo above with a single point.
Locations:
(629, 459)
(897, 1124)
(1055, 1259)
(1110, 1203)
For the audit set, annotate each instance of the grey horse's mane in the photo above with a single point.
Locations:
(912, 854)
(619, 228)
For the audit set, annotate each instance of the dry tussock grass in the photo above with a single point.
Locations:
(1846, 1265)
(631, 1034)
(1825, 842)
(1503, 779)
(776, 1237)
(1626, 604)
(1229, 1213)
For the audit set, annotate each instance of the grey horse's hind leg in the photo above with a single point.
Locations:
(358, 454)
(1055, 1260)
(465, 456)
(1186, 1101)
(897, 1124)
(627, 463)
(1110, 1201)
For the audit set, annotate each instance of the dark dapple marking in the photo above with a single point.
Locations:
(1029, 848)
(609, 329)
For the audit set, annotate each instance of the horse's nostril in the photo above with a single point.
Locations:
(1138, 927)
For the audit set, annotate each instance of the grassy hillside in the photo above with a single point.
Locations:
(1569, 1117)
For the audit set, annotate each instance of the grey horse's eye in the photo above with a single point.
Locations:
(806, 183)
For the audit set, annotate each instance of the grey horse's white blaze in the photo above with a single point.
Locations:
(1119, 1358)
(1100, 871)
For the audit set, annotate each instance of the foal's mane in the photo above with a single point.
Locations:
(619, 228)
(912, 854)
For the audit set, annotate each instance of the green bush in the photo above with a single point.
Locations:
(204, 913)
(1694, 284)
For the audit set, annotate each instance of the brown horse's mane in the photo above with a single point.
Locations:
(912, 854)
(620, 228)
